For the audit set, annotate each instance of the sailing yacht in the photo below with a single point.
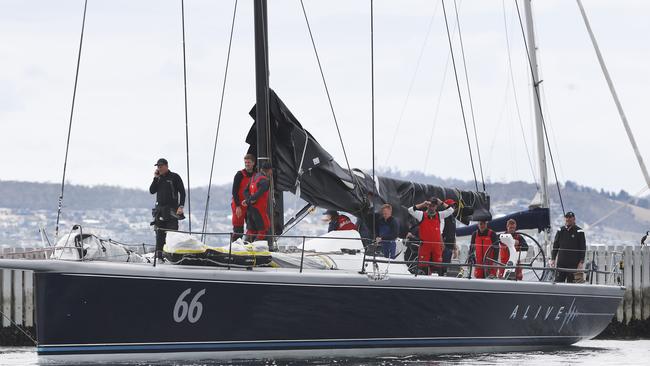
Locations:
(101, 309)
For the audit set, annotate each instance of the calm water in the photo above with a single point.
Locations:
(585, 353)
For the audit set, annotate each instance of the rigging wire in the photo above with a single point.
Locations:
(411, 84)
(547, 113)
(372, 115)
(550, 126)
(216, 136)
(469, 94)
(460, 97)
(622, 205)
(327, 92)
(539, 105)
(440, 92)
(514, 93)
(67, 144)
(435, 114)
(497, 129)
(187, 139)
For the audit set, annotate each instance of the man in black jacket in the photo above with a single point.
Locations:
(449, 234)
(387, 228)
(568, 248)
(170, 198)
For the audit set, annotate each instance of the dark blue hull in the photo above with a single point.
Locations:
(165, 310)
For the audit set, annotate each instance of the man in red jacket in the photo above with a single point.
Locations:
(239, 184)
(482, 239)
(338, 222)
(520, 245)
(256, 199)
(430, 222)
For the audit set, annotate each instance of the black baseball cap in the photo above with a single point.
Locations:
(569, 214)
(331, 213)
(161, 161)
(267, 165)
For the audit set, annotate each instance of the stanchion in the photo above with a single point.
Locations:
(302, 253)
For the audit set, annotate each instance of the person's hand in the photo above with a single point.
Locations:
(156, 173)
(409, 235)
(243, 203)
(179, 211)
(377, 239)
(551, 263)
(438, 201)
(238, 211)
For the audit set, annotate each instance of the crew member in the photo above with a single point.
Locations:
(170, 198)
(482, 239)
(256, 199)
(568, 249)
(430, 234)
(387, 231)
(520, 245)
(338, 221)
(239, 184)
(449, 234)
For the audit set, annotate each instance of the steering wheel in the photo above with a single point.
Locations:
(489, 256)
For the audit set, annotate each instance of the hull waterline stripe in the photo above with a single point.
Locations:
(340, 285)
(269, 345)
(312, 340)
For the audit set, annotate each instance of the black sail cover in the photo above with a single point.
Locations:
(303, 167)
(534, 218)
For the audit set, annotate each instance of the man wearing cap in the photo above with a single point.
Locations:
(449, 234)
(256, 199)
(170, 198)
(568, 249)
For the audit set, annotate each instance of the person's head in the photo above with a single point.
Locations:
(511, 226)
(249, 162)
(163, 166)
(482, 225)
(570, 218)
(433, 205)
(386, 211)
(330, 215)
(267, 168)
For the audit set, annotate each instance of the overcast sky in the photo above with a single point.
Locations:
(129, 107)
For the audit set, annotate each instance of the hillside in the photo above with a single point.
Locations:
(121, 212)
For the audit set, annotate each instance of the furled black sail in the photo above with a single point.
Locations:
(303, 167)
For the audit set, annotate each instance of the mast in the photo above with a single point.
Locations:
(539, 127)
(263, 124)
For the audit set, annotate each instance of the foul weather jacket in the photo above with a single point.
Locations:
(169, 190)
(569, 247)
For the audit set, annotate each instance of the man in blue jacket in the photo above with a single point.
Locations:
(387, 231)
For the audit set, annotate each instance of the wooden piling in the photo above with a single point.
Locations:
(6, 297)
(645, 282)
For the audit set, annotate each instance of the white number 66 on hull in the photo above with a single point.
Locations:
(192, 311)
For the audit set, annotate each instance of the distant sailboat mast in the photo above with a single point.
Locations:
(539, 127)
